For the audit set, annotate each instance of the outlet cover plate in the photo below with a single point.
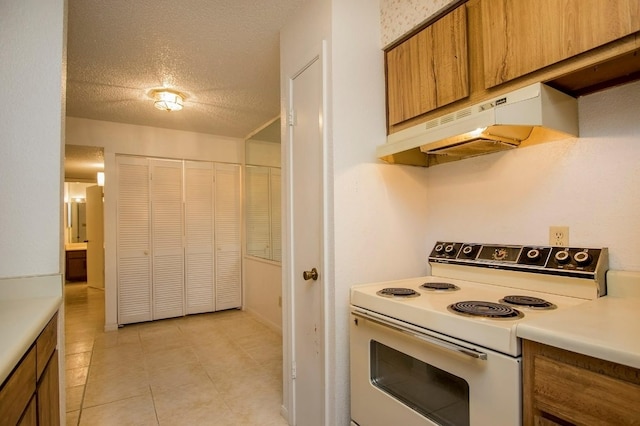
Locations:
(559, 236)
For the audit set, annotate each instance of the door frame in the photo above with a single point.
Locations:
(288, 273)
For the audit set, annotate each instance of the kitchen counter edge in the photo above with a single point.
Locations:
(26, 306)
(604, 328)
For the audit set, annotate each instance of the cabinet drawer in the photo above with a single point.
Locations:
(17, 390)
(46, 344)
(582, 396)
(76, 254)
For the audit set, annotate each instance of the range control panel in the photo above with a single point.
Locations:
(562, 260)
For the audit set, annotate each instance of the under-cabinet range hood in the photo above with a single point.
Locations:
(530, 115)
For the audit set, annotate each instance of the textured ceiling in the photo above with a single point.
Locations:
(222, 54)
(82, 163)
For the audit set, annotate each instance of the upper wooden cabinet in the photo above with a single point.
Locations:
(522, 36)
(430, 69)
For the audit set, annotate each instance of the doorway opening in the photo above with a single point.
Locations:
(83, 215)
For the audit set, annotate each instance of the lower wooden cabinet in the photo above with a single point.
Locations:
(566, 388)
(47, 394)
(30, 395)
(30, 416)
(76, 265)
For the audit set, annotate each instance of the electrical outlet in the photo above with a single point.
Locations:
(559, 236)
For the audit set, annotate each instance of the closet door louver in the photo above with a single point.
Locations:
(167, 238)
(228, 236)
(257, 208)
(199, 243)
(133, 240)
(276, 216)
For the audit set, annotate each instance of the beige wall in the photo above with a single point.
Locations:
(398, 17)
(119, 138)
(590, 184)
(31, 123)
(263, 290)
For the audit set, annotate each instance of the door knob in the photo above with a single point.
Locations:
(310, 275)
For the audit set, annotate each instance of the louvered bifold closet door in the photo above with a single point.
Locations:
(228, 236)
(276, 216)
(167, 238)
(199, 225)
(133, 240)
(257, 211)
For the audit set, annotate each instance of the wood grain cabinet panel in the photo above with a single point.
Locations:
(17, 390)
(428, 70)
(30, 395)
(563, 387)
(76, 265)
(522, 36)
(46, 344)
(30, 416)
(48, 397)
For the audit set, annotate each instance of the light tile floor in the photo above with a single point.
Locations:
(223, 368)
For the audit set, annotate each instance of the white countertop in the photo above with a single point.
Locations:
(21, 321)
(26, 306)
(75, 246)
(607, 328)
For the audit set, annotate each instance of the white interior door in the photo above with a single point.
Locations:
(228, 223)
(167, 238)
(95, 237)
(199, 244)
(307, 152)
(133, 240)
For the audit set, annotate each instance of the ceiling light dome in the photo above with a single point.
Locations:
(167, 99)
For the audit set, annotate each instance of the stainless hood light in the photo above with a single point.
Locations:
(530, 115)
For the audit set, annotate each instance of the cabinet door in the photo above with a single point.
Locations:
(30, 415)
(48, 398)
(228, 237)
(430, 69)
(522, 36)
(199, 242)
(167, 238)
(133, 240)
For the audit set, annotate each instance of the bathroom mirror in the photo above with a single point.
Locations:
(75, 211)
(262, 193)
(77, 222)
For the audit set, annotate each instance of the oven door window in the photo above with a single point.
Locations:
(434, 393)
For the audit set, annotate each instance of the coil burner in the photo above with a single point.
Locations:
(439, 286)
(528, 302)
(399, 292)
(483, 309)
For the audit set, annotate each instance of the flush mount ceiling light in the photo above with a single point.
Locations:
(167, 99)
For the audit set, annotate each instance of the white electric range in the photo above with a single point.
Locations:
(442, 349)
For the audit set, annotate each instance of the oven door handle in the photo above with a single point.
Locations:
(419, 335)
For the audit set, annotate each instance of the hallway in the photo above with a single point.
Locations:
(223, 368)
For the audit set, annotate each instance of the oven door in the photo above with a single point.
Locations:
(405, 375)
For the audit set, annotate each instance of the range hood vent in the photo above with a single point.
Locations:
(530, 115)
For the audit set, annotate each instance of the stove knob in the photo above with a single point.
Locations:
(467, 251)
(439, 248)
(562, 257)
(533, 255)
(449, 249)
(582, 258)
